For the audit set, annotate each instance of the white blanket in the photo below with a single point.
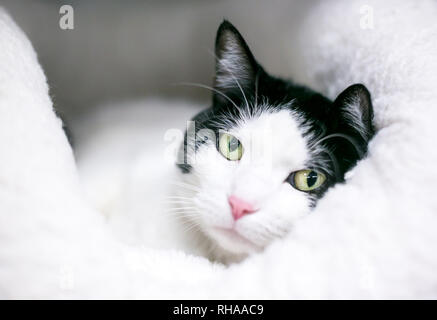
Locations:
(375, 237)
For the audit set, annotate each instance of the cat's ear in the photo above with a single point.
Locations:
(353, 112)
(236, 68)
(350, 127)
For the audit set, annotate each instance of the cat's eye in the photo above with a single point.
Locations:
(306, 180)
(230, 147)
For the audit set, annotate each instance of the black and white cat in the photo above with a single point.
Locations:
(250, 167)
(266, 151)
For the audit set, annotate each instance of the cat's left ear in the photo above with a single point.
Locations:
(236, 68)
(353, 112)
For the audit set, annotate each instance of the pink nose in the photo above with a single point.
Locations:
(239, 207)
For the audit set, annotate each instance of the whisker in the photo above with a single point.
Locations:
(194, 84)
(178, 203)
(341, 135)
(334, 163)
(192, 227)
(256, 88)
(186, 186)
(181, 209)
(178, 198)
(232, 75)
(183, 217)
(183, 214)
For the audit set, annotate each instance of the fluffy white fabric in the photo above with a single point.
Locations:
(126, 155)
(372, 238)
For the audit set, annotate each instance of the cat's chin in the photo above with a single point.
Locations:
(233, 242)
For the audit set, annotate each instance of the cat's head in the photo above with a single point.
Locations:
(267, 149)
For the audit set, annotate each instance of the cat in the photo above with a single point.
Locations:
(266, 151)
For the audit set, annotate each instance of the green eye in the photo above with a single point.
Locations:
(230, 147)
(307, 180)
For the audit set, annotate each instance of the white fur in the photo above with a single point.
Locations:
(354, 115)
(273, 148)
(118, 149)
(371, 238)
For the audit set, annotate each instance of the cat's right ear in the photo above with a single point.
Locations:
(235, 69)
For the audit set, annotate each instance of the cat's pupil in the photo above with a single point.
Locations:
(311, 178)
(233, 144)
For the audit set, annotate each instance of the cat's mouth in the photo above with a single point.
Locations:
(233, 241)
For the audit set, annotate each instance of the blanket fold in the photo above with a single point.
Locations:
(373, 237)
